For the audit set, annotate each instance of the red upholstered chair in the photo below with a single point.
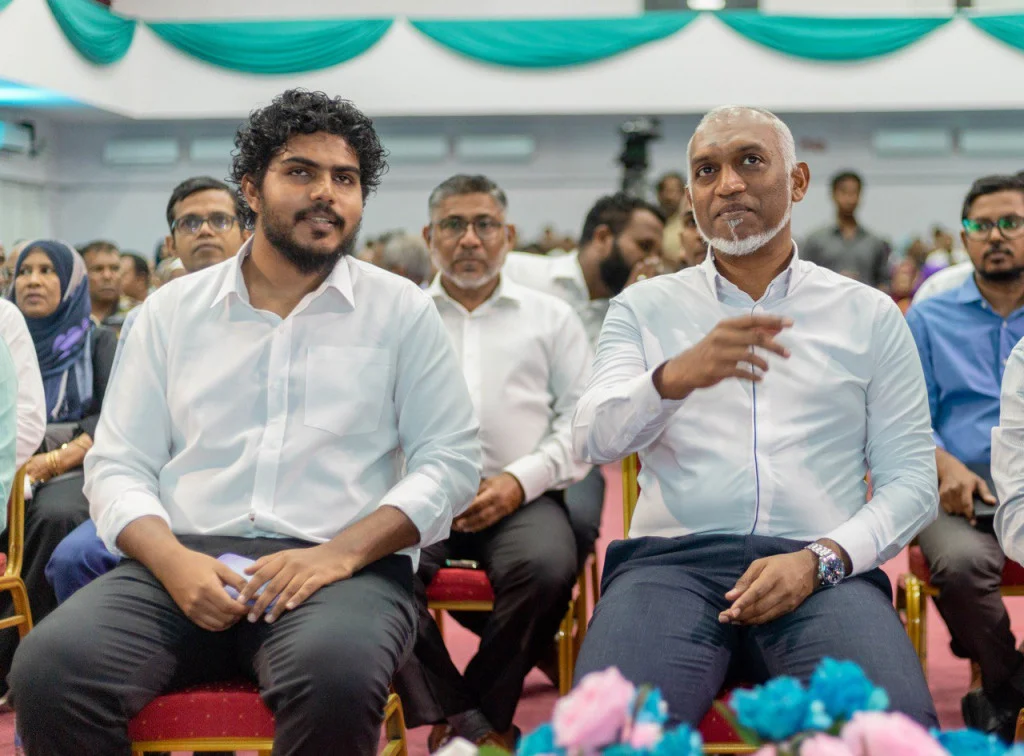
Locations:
(228, 716)
(718, 735)
(10, 563)
(913, 587)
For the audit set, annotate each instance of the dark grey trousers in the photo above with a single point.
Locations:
(584, 501)
(530, 559)
(657, 621)
(323, 669)
(967, 567)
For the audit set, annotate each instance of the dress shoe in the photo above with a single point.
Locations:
(440, 736)
(981, 713)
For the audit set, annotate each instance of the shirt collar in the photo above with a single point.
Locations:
(723, 288)
(968, 291)
(339, 279)
(858, 230)
(507, 292)
(567, 268)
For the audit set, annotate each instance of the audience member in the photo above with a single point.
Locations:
(407, 256)
(203, 216)
(694, 248)
(525, 357)
(167, 271)
(31, 400)
(238, 436)
(103, 263)
(51, 288)
(135, 280)
(671, 188)
(759, 390)
(846, 246)
(903, 283)
(965, 336)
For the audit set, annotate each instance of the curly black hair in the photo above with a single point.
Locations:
(299, 111)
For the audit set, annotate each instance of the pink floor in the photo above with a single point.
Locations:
(947, 676)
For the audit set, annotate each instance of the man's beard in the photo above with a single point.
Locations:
(1005, 275)
(307, 260)
(748, 245)
(614, 270)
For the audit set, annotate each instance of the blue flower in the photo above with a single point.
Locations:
(540, 741)
(775, 711)
(844, 689)
(652, 706)
(682, 741)
(971, 743)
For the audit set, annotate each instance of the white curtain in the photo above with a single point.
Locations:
(24, 211)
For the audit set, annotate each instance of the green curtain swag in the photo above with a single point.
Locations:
(99, 36)
(1008, 29)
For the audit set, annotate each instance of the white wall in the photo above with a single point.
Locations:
(575, 162)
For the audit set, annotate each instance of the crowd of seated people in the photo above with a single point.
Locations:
(353, 419)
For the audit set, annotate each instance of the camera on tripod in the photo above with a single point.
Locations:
(637, 134)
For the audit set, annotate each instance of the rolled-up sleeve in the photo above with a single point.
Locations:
(436, 427)
(133, 439)
(621, 411)
(900, 450)
(1008, 458)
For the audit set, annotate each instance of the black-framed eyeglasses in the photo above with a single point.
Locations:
(454, 227)
(190, 224)
(1010, 226)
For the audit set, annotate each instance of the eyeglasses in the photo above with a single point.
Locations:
(190, 224)
(455, 227)
(1010, 226)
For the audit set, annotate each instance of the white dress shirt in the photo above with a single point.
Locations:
(1008, 458)
(526, 359)
(560, 276)
(785, 457)
(31, 399)
(232, 421)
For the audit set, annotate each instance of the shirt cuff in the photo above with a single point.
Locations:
(650, 406)
(858, 542)
(532, 474)
(424, 502)
(125, 510)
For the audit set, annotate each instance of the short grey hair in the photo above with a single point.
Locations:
(462, 183)
(727, 113)
(408, 253)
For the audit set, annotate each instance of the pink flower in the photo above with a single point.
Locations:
(882, 734)
(645, 735)
(768, 750)
(595, 712)
(824, 745)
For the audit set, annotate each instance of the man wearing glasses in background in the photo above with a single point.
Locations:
(206, 227)
(964, 337)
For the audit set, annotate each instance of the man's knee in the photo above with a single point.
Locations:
(39, 674)
(959, 566)
(545, 575)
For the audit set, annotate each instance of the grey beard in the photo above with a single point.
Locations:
(748, 245)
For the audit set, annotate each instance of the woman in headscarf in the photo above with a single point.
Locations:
(51, 288)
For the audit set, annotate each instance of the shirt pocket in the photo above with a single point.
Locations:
(345, 389)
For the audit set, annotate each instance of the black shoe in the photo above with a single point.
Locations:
(982, 714)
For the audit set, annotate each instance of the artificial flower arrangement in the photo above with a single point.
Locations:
(839, 713)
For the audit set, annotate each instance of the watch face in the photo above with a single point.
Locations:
(830, 570)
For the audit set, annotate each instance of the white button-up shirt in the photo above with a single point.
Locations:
(229, 420)
(785, 457)
(31, 398)
(561, 277)
(526, 360)
(1008, 458)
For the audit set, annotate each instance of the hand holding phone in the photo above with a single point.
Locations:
(237, 564)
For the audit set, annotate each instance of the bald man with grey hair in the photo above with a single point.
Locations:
(758, 390)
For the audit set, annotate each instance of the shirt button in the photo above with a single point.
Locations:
(1004, 324)
(252, 515)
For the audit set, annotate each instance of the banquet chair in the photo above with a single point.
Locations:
(718, 735)
(10, 562)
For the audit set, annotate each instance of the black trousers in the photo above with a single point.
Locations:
(57, 508)
(530, 559)
(323, 669)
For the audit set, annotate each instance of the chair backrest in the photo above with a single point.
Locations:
(16, 525)
(630, 490)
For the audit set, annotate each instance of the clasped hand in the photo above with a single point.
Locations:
(497, 498)
(771, 587)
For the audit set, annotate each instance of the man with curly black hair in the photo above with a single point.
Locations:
(292, 406)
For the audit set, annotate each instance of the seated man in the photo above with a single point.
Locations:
(525, 357)
(964, 336)
(206, 222)
(291, 405)
(759, 390)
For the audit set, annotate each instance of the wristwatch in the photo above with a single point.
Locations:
(831, 569)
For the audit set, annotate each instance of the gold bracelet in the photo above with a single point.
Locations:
(52, 458)
(77, 441)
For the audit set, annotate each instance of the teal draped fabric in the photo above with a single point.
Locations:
(1008, 29)
(4, 4)
(99, 35)
(278, 47)
(831, 38)
(548, 43)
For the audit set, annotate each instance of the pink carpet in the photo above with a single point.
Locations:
(948, 676)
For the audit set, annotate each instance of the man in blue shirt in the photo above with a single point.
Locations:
(964, 336)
